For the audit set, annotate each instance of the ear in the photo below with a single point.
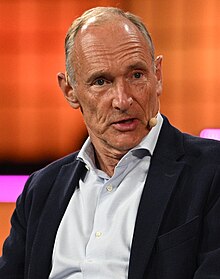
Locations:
(158, 74)
(68, 90)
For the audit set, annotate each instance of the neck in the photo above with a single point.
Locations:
(107, 158)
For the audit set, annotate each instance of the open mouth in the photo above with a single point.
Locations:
(125, 121)
(126, 124)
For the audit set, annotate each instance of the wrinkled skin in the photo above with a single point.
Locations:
(117, 87)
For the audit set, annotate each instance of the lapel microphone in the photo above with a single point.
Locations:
(152, 122)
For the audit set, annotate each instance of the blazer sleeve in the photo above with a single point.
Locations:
(209, 254)
(12, 262)
(18, 247)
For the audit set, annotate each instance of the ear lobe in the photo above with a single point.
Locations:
(68, 91)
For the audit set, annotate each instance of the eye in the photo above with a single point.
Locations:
(137, 75)
(99, 82)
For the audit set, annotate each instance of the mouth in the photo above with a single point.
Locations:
(125, 120)
(126, 125)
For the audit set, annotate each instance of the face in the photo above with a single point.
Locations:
(117, 85)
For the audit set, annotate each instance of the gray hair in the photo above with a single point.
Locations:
(101, 14)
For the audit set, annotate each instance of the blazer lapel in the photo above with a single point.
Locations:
(163, 175)
(160, 183)
(58, 199)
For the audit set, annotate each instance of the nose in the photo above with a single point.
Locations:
(122, 100)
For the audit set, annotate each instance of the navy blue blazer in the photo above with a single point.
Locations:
(177, 229)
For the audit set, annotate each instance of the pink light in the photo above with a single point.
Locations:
(11, 186)
(210, 134)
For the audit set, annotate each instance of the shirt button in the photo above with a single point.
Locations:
(109, 188)
(98, 234)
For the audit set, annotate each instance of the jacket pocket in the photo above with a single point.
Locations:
(179, 235)
(176, 253)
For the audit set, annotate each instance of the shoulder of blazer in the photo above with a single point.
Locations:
(40, 183)
(202, 148)
(172, 143)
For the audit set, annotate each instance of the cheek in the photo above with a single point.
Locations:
(94, 113)
(143, 94)
(147, 99)
(89, 112)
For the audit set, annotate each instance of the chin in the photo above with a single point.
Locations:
(126, 145)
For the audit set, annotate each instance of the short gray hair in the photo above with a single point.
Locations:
(101, 14)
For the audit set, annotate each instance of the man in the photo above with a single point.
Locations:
(141, 200)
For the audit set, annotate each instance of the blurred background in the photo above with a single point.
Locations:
(38, 126)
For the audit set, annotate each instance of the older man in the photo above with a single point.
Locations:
(140, 200)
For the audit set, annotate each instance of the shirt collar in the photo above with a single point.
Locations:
(86, 154)
(150, 140)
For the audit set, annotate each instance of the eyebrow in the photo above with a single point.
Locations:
(138, 65)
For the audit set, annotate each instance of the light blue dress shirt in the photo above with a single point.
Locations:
(94, 238)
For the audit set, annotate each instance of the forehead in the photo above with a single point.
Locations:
(117, 40)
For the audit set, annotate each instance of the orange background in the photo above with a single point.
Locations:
(37, 124)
